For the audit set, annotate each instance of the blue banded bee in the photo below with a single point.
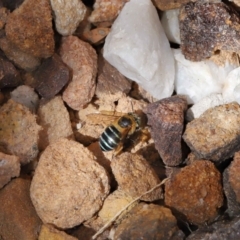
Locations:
(121, 128)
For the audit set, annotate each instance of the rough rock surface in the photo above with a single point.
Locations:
(68, 14)
(166, 119)
(3, 16)
(110, 80)
(21, 59)
(206, 27)
(223, 230)
(105, 11)
(96, 36)
(9, 168)
(18, 218)
(9, 75)
(169, 4)
(69, 186)
(51, 233)
(51, 77)
(29, 27)
(55, 122)
(18, 131)
(135, 176)
(149, 222)
(196, 192)
(82, 59)
(26, 96)
(215, 135)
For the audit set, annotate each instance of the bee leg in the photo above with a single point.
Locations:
(145, 135)
(118, 150)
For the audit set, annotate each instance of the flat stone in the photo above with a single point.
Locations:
(9, 168)
(215, 135)
(195, 192)
(18, 217)
(63, 167)
(18, 131)
(29, 27)
(149, 222)
(205, 27)
(51, 77)
(166, 121)
(82, 59)
(68, 15)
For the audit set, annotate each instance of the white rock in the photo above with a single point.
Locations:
(170, 25)
(197, 80)
(138, 47)
(204, 104)
(231, 88)
(68, 14)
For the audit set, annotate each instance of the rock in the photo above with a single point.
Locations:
(68, 186)
(51, 233)
(114, 203)
(105, 12)
(197, 80)
(19, 131)
(68, 14)
(82, 232)
(218, 231)
(215, 135)
(110, 80)
(232, 186)
(21, 59)
(169, 4)
(26, 96)
(51, 77)
(9, 168)
(204, 104)
(170, 25)
(29, 28)
(54, 119)
(135, 176)
(149, 222)
(18, 218)
(82, 59)
(10, 76)
(195, 192)
(206, 27)
(166, 121)
(138, 54)
(4, 12)
(237, 2)
(96, 36)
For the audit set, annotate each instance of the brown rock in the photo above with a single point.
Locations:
(195, 192)
(135, 176)
(166, 118)
(9, 168)
(149, 222)
(68, 186)
(170, 4)
(55, 122)
(18, 131)
(215, 135)
(18, 218)
(51, 77)
(110, 80)
(82, 59)
(21, 59)
(26, 96)
(96, 36)
(105, 12)
(48, 232)
(206, 27)
(29, 27)
(9, 76)
(3, 16)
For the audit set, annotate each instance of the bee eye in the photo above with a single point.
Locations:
(124, 122)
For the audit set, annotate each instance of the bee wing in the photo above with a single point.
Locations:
(104, 118)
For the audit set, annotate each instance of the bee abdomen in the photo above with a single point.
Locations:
(110, 138)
